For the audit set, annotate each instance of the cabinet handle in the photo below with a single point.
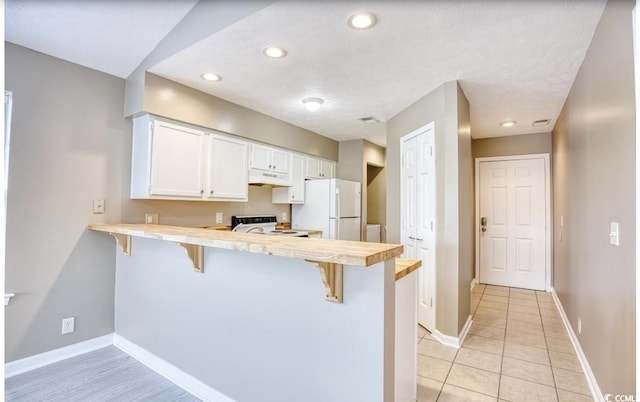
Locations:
(412, 238)
(201, 191)
(419, 239)
(269, 166)
(293, 196)
(274, 166)
(211, 192)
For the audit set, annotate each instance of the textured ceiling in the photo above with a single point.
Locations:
(110, 36)
(515, 60)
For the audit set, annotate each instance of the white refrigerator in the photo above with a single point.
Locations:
(330, 205)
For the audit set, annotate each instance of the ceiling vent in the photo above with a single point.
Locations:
(369, 120)
(541, 122)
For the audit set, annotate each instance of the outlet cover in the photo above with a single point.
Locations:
(68, 325)
(151, 218)
(218, 217)
(284, 217)
(98, 206)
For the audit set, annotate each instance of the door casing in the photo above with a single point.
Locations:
(548, 232)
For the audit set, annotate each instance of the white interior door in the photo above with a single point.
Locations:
(418, 195)
(512, 223)
(425, 229)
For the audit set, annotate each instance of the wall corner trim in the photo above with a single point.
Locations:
(453, 341)
(172, 373)
(591, 379)
(53, 356)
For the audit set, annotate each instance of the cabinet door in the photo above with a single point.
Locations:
(260, 157)
(326, 170)
(280, 161)
(177, 161)
(296, 191)
(313, 168)
(228, 174)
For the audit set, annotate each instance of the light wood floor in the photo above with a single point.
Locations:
(103, 375)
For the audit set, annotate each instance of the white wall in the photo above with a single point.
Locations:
(257, 327)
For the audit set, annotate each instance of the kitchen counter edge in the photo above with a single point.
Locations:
(312, 249)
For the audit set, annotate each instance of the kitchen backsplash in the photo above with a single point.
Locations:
(199, 213)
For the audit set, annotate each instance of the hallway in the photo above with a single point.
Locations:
(517, 349)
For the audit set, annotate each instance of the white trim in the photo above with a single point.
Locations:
(473, 284)
(548, 232)
(172, 373)
(586, 368)
(53, 356)
(453, 341)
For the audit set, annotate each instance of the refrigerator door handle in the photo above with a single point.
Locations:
(338, 204)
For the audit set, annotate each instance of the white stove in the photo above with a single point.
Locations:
(262, 224)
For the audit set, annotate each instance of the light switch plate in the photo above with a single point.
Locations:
(98, 206)
(614, 234)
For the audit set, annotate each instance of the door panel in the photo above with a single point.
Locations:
(347, 195)
(513, 200)
(177, 161)
(345, 229)
(417, 187)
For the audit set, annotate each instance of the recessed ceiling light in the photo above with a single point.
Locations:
(210, 77)
(362, 20)
(274, 52)
(508, 123)
(312, 104)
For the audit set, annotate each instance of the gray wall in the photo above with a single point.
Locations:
(67, 148)
(70, 145)
(354, 157)
(512, 145)
(594, 182)
(453, 225)
(195, 107)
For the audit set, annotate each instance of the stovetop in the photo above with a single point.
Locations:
(261, 224)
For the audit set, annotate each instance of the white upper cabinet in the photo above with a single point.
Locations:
(295, 193)
(175, 162)
(227, 173)
(319, 169)
(269, 165)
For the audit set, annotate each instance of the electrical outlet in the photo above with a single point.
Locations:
(579, 325)
(284, 217)
(98, 206)
(68, 325)
(219, 217)
(151, 218)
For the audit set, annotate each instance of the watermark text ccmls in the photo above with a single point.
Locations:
(619, 398)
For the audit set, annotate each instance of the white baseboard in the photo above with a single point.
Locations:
(453, 341)
(473, 283)
(591, 379)
(172, 373)
(53, 356)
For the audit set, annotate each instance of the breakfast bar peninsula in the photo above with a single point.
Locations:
(249, 317)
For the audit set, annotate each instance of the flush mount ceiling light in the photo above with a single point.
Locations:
(362, 20)
(508, 123)
(274, 52)
(210, 77)
(312, 104)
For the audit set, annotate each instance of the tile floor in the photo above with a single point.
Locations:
(517, 350)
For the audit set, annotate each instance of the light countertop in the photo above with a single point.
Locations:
(321, 250)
